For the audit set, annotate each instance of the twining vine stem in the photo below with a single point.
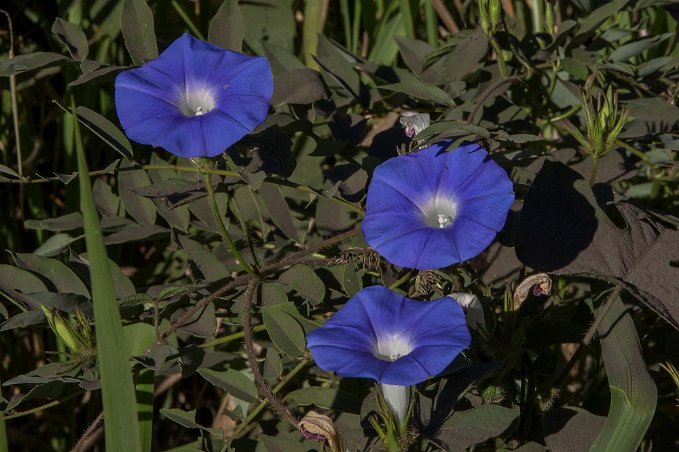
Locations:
(298, 257)
(264, 390)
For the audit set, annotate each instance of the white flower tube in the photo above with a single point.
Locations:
(398, 398)
(473, 309)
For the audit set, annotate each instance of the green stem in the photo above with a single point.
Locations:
(431, 23)
(264, 402)
(41, 407)
(500, 58)
(243, 226)
(401, 280)
(187, 20)
(595, 167)
(407, 16)
(538, 15)
(222, 227)
(346, 22)
(231, 337)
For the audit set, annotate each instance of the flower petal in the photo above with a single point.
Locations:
(155, 102)
(347, 343)
(412, 195)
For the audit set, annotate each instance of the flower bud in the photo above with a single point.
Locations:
(319, 428)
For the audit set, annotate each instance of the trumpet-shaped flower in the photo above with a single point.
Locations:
(195, 99)
(431, 209)
(392, 339)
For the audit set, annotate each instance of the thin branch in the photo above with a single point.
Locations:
(296, 258)
(82, 442)
(445, 16)
(264, 389)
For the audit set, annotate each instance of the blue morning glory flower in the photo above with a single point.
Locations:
(195, 99)
(431, 209)
(392, 339)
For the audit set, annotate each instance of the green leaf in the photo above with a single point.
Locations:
(209, 265)
(564, 230)
(421, 90)
(328, 398)
(14, 278)
(73, 37)
(62, 277)
(571, 428)
(298, 86)
(599, 15)
(285, 331)
(465, 56)
(413, 52)
(116, 377)
(66, 222)
(232, 381)
(31, 61)
(634, 48)
(226, 27)
(278, 208)
(305, 281)
(141, 209)
(337, 63)
(269, 22)
(104, 129)
(55, 245)
(137, 26)
(467, 428)
(181, 417)
(273, 366)
(633, 392)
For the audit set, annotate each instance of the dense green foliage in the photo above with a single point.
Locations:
(580, 290)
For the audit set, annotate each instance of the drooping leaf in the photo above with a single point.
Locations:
(138, 30)
(66, 222)
(298, 86)
(563, 230)
(278, 208)
(62, 277)
(31, 61)
(467, 428)
(421, 90)
(104, 129)
(55, 245)
(305, 281)
(285, 331)
(141, 209)
(464, 57)
(73, 37)
(329, 398)
(211, 268)
(236, 383)
(413, 52)
(226, 27)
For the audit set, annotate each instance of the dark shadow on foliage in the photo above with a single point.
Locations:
(557, 222)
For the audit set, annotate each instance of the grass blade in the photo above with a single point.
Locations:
(139, 337)
(633, 392)
(4, 444)
(120, 424)
(312, 26)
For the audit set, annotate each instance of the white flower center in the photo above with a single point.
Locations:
(440, 212)
(196, 103)
(391, 347)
